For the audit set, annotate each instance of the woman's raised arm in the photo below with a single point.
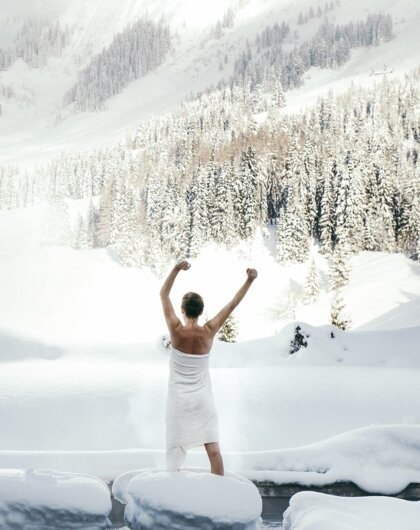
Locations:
(172, 320)
(217, 322)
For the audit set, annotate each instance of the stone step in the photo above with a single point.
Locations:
(276, 496)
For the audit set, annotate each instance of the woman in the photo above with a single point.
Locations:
(191, 418)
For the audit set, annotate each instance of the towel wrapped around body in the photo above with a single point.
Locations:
(191, 417)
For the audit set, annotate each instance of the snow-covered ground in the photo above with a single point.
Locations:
(313, 511)
(83, 374)
(83, 379)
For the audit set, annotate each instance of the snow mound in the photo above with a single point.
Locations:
(15, 348)
(187, 500)
(302, 344)
(378, 459)
(47, 499)
(313, 511)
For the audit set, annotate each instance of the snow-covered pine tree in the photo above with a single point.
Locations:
(312, 285)
(200, 229)
(293, 237)
(92, 220)
(248, 208)
(325, 214)
(130, 243)
(229, 331)
(103, 226)
(339, 318)
(349, 207)
(340, 264)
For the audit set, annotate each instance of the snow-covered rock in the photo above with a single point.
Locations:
(380, 459)
(42, 499)
(315, 511)
(188, 500)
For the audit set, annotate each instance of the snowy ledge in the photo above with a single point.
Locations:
(187, 500)
(312, 511)
(48, 499)
(383, 459)
(379, 459)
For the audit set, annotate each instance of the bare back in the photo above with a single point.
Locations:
(193, 339)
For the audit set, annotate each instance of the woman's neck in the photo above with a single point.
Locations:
(191, 322)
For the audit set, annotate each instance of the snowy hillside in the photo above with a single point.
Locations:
(90, 330)
(58, 294)
(36, 125)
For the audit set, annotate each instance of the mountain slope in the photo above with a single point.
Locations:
(37, 126)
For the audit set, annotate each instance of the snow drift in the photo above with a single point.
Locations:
(313, 511)
(380, 459)
(45, 499)
(187, 500)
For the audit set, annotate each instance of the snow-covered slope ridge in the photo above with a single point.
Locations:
(35, 125)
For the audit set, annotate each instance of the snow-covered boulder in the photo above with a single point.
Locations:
(187, 500)
(314, 511)
(380, 459)
(42, 499)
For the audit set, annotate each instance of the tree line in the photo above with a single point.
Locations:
(134, 52)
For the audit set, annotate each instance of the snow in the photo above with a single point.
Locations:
(379, 459)
(108, 303)
(188, 499)
(326, 346)
(83, 377)
(43, 498)
(315, 511)
(81, 362)
(98, 417)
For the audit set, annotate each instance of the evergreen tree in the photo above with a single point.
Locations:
(340, 266)
(339, 318)
(249, 192)
(312, 284)
(293, 227)
(229, 330)
(103, 226)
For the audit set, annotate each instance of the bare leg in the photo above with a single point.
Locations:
(216, 460)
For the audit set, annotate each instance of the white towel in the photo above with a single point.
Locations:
(191, 418)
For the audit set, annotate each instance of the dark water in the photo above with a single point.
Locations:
(272, 515)
(270, 524)
(267, 525)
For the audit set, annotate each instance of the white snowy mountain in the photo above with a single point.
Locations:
(206, 40)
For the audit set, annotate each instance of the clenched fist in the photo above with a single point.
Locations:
(252, 273)
(182, 266)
